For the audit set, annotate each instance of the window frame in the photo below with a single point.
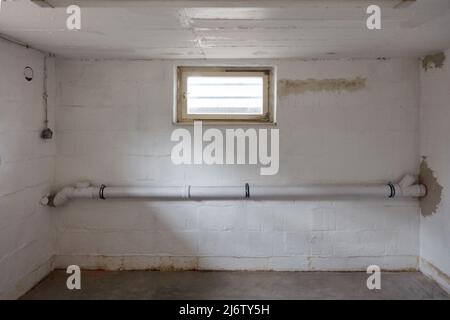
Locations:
(267, 74)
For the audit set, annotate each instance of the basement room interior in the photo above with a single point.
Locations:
(234, 150)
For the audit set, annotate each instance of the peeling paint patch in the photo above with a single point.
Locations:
(287, 87)
(433, 61)
(429, 204)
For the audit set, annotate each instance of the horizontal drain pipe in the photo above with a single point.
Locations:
(407, 187)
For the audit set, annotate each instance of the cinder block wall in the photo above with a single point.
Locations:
(114, 121)
(435, 146)
(26, 171)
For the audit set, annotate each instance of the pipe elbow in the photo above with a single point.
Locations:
(407, 181)
(63, 196)
(408, 187)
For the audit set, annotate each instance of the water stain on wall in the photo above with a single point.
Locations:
(286, 87)
(433, 61)
(429, 204)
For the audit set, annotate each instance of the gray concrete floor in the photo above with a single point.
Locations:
(236, 285)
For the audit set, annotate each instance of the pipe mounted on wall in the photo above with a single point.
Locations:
(405, 188)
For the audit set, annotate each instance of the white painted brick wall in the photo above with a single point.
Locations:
(27, 166)
(114, 125)
(435, 130)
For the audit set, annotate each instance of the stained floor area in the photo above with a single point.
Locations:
(236, 285)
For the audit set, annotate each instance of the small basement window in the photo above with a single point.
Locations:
(225, 94)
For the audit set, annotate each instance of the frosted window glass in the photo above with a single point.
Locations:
(225, 95)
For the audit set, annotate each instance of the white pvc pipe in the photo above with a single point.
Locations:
(405, 188)
(318, 191)
(216, 193)
(163, 193)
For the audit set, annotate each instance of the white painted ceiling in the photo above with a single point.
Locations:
(193, 29)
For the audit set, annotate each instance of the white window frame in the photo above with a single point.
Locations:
(266, 73)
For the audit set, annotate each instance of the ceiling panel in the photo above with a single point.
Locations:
(230, 29)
